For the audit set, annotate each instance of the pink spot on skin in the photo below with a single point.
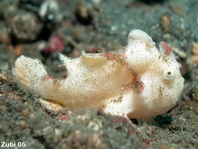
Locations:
(166, 47)
(138, 86)
(141, 86)
(103, 54)
(108, 55)
(47, 77)
(55, 44)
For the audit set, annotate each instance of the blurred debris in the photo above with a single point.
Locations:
(165, 23)
(50, 10)
(194, 74)
(191, 92)
(4, 34)
(194, 50)
(16, 50)
(175, 9)
(96, 1)
(24, 26)
(55, 44)
(85, 14)
(3, 76)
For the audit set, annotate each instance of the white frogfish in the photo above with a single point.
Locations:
(138, 81)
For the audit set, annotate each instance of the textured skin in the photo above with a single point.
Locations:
(139, 80)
